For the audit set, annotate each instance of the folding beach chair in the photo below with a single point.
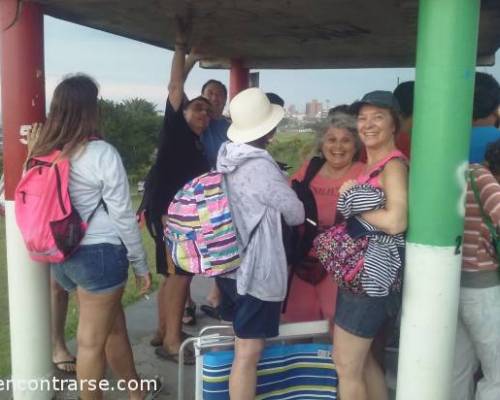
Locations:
(285, 371)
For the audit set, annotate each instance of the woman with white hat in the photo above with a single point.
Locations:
(259, 195)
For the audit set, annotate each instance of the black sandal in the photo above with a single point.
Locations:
(212, 312)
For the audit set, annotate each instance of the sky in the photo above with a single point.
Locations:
(125, 68)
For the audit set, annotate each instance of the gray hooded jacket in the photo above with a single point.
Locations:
(259, 195)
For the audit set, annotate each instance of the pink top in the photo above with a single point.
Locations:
(364, 177)
(326, 191)
(308, 302)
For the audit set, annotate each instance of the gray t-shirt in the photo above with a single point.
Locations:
(259, 195)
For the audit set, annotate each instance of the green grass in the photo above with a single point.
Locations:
(129, 297)
(292, 148)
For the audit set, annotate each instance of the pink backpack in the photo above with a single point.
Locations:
(51, 227)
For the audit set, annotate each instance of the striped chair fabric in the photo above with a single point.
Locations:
(285, 372)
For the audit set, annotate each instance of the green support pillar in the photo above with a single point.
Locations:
(446, 55)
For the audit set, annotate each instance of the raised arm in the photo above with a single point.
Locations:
(177, 73)
(392, 219)
(192, 58)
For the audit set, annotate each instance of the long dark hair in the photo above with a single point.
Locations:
(72, 119)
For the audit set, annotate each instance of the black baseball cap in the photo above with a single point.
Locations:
(378, 98)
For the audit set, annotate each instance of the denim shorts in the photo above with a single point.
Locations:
(97, 268)
(362, 315)
(252, 318)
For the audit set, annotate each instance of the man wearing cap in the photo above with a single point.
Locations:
(260, 195)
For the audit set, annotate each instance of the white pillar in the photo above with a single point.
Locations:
(430, 308)
(29, 299)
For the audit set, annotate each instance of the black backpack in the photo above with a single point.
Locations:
(298, 240)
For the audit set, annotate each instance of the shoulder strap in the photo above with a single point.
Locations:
(101, 202)
(486, 218)
(225, 188)
(312, 170)
(381, 167)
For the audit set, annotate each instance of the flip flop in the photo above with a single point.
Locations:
(189, 358)
(59, 366)
(157, 341)
(212, 312)
(151, 395)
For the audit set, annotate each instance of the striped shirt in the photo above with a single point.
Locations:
(384, 257)
(478, 253)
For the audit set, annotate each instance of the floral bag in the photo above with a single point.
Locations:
(342, 256)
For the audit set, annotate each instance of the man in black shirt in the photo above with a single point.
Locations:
(180, 158)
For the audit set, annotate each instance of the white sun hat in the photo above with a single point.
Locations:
(252, 115)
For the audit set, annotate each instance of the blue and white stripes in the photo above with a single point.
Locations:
(300, 371)
(384, 257)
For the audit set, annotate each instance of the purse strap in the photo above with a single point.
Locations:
(486, 218)
(312, 170)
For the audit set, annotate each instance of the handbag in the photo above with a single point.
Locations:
(299, 239)
(342, 256)
(310, 270)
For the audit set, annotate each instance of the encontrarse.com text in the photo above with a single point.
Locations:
(73, 385)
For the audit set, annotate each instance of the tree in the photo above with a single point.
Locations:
(132, 126)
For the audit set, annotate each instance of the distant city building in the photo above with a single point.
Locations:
(292, 110)
(324, 113)
(313, 108)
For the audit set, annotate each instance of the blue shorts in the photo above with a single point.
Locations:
(97, 268)
(252, 318)
(362, 315)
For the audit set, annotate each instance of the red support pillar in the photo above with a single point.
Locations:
(23, 103)
(238, 79)
(23, 82)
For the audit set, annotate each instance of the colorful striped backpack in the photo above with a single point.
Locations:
(199, 230)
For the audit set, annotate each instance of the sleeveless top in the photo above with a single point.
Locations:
(385, 256)
(372, 176)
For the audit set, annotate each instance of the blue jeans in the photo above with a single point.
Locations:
(362, 315)
(97, 268)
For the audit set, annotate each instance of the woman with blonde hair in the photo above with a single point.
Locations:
(97, 270)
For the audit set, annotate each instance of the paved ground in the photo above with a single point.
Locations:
(141, 323)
